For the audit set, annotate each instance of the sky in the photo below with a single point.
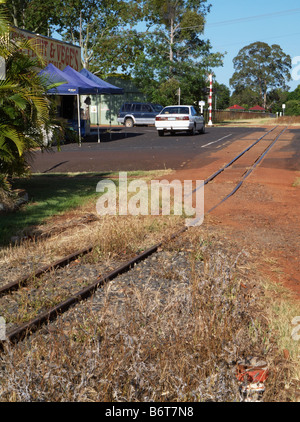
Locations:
(234, 24)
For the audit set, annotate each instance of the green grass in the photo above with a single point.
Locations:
(49, 194)
(53, 194)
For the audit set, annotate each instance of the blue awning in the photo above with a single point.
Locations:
(105, 87)
(73, 82)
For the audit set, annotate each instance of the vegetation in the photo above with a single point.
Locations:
(174, 54)
(168, 54)
(293, 103)
(25, 110)
(49, 195)
(143, 341)
(221, 96)
(33, 15)
(53, 194)
(260, 68)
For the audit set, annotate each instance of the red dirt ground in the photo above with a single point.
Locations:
(264, 213)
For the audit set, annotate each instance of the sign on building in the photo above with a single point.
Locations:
(59, 53)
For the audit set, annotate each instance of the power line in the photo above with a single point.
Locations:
(250, 18)
(238, 20)
(264, 38)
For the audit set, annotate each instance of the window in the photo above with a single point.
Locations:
(146, 108)
(157, 107)
(127, 107)
(183, 110)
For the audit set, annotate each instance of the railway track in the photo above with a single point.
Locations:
(21, 331)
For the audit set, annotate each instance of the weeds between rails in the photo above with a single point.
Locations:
(31, 326)
(22, 281)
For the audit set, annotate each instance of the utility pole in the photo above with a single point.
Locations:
(210, 100)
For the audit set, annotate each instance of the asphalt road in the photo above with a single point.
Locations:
(139, 148)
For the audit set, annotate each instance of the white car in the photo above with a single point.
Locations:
(179, 118)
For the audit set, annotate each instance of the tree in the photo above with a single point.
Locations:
(292, 108)
(24, 107)
(102, 29)
(292, 101)
(276, 98)
(221, 96)
(179, 24)
(174, 51)
(34, 15)
(294, 95)
(261, 68)
(245, 97)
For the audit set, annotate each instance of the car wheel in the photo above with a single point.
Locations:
(129, 122)
(203, 129)
(192, 131)
(161, 133)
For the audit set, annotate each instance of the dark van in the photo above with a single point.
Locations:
(135, 113)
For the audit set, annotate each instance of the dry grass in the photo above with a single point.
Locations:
(283, 120)
(109, 234)
(282, 309)
(288, 120)
(296, 183)
(7, 201)
(150, 342)
(113, 239)
(161, 340)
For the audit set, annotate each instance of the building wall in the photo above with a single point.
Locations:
(109, 105)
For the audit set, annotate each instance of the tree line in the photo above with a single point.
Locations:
(160, 44)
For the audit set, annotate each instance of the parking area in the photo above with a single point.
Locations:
(137, 148)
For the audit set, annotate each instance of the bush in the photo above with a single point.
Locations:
(292, 108)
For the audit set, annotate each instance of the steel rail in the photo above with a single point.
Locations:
(14, 285)
(247, 174)
(30, 327)
(214, 175)
(21, 282)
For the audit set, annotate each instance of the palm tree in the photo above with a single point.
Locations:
(24, 106)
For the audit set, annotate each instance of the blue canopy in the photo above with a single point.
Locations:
(52, 75)
(74, 82)
(105, 87)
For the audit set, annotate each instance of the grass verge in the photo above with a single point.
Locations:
(283, 120)
(282, 310)
(53, 194)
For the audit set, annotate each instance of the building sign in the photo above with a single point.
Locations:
(59, 53)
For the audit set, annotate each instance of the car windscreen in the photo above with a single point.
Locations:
(175, 110)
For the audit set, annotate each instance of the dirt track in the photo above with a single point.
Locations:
(263, 215)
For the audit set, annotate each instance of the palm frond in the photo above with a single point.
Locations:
(10, 133)
(4, 25)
